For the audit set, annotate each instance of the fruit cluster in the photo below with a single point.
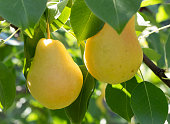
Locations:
(109, 57)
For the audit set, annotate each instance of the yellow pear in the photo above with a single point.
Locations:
(114, 58)
(54, 79)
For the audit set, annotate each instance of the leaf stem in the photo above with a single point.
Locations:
(158, 71)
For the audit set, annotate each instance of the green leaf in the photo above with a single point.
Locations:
(41, 24)
(6, 50)
(167, 8)
(59, 116)
(22, 13)
(76, 111)
(168, 118)
(1, 107)
(84, 23)
(130, 85)
(167, 50)
(29, 32)
(149, 104)
(161, 14)
(150, 2)
(94, 111)
(30, 46)
(155, 44)
(7, 87)
(118, 99)
(70, 3)
(55, 9)
(61, 20)
(115, 12)
(153, 55)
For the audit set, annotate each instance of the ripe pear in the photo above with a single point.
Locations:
(114, 58)
(54, 79)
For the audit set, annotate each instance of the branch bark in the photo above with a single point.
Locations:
(158, 71)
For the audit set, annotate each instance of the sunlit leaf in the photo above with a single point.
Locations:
(161, 15)
(59, 116)
(84, 23)
(55, 9)
(167, 8)
(150, 2)
(41, 24)
(30, 46)
(61, 20)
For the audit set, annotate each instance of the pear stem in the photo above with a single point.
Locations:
(158, 71)
(48, 30)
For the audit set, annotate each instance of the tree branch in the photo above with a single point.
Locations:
(158, 71)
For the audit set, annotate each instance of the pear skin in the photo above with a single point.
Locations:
(54, 79)
(114, 58)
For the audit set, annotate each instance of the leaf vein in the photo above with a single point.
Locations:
(22, 1)
(86, 24)
(148, 102)
(117, 17)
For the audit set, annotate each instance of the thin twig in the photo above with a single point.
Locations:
(3, 41)
(164, 27)
(158, 71)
